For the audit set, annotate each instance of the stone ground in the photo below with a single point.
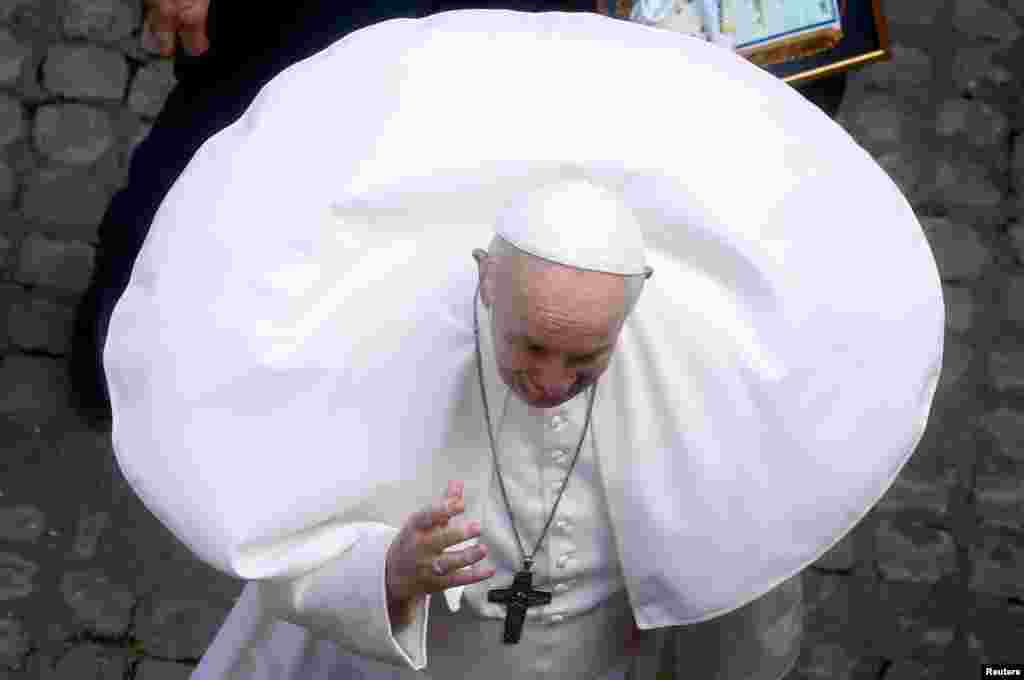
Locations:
(930, 584)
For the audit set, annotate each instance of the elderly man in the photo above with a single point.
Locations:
(549, 334)
(614, 464)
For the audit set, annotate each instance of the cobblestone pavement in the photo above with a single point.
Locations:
(930, 584)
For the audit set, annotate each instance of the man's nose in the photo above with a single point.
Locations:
(554, 377)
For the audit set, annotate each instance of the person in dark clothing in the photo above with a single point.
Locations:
(219, 74)
(225, 53)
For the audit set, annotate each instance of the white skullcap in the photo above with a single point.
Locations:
(576, 222)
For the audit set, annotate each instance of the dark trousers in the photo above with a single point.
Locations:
(247, 50)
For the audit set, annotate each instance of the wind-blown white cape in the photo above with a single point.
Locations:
(295, 348)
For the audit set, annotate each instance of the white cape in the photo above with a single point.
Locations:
(296, 340)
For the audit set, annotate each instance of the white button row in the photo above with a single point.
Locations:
(563, 560)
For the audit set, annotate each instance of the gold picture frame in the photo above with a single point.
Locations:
(864, 39)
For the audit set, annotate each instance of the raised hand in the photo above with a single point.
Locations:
(417, 564)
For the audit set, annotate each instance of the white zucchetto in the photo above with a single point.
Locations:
(576, 222)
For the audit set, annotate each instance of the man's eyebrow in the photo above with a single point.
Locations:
(532, 343)
(599, 350)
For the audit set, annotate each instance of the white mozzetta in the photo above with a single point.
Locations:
(764, 393)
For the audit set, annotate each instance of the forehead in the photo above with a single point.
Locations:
(540, 296)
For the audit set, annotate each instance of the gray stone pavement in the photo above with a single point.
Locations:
(930, 584)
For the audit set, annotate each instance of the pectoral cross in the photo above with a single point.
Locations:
(517, 599)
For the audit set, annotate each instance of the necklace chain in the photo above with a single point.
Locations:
(527, 561)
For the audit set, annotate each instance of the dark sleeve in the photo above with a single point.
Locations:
(268, 37)
(250, 43)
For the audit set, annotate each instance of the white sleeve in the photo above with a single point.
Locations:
(345, 600)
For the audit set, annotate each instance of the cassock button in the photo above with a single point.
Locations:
(563, 525)
(562, 561)
(557, 618)
(559, 455)
(557, 422)
(561, 588)
(556, 485)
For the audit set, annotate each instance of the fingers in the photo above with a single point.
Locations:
(150, 42)
(447, 536)
(193, 12)
(195, 41)
(166, 19)
(446, 563)
(192, 18)
(158, 33)
(454, 572)
(475, 574)
(455, 489)
(163, 23)
(438, 515)
(418, 560)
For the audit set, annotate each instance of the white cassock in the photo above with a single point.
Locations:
(292, 366)
(579, 635)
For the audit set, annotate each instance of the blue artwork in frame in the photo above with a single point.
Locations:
(796, 40)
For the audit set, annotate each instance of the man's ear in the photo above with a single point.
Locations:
(483, 263)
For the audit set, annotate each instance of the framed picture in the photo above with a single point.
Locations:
(776, 31)
(796, 40)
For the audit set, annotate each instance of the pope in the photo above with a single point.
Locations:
(589, 382)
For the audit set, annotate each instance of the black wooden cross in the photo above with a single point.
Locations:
(517, 599)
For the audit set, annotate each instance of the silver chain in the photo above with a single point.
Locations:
(527, 561)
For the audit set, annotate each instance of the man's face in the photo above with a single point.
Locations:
(554, 327)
